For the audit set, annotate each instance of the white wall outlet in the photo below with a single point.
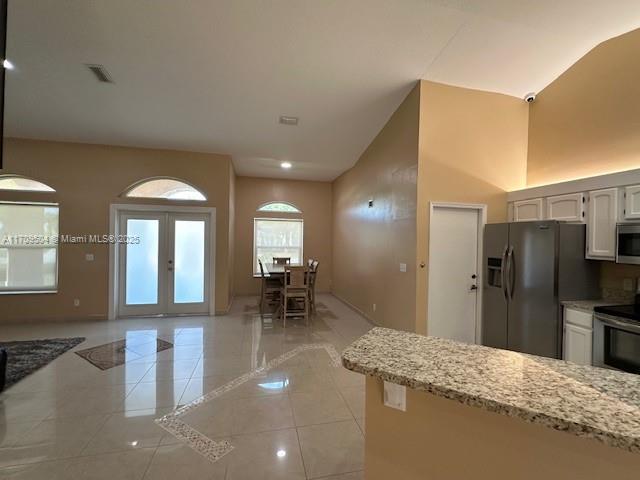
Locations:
(403, 267)
(374, 307)
(89, 257)
(395, 396)
(76, 302)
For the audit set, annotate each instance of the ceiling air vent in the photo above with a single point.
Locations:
(284, 120)
(100, 72)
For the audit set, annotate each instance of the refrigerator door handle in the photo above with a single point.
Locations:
(503, 272)
(510, 277)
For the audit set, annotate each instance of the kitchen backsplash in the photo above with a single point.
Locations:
(618, 282)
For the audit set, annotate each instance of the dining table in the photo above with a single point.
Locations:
(275, 269)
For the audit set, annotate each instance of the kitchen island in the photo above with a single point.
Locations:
(475, 412)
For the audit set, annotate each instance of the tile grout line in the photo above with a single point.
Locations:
(333, 475)
(304, 465)
(202, 444)
(106, 419)
(293, 414)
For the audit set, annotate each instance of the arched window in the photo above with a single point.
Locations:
(278, 207)
(168, 188)
(25, 184)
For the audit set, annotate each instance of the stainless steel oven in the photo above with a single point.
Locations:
(616, 343)
(628, 243)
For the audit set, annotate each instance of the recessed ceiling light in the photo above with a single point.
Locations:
(281, 453)
(286, 165)
(7, 64)
(288, 120)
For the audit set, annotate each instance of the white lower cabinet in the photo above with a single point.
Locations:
(578, 338)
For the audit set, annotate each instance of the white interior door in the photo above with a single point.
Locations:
(453, 275)
(164, 267)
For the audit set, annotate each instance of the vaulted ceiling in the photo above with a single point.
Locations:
(214, 76)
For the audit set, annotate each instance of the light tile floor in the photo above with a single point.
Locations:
(301, 420)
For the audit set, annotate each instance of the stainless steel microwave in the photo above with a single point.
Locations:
(628, 243)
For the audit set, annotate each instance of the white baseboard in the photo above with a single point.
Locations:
(355, 309)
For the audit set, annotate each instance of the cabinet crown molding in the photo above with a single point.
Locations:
(611, 180)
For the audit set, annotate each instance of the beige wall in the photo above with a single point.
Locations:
(370, 243)
(312, 198)
(87, 179)
(587, 121)
(472, 149)
(442, 439)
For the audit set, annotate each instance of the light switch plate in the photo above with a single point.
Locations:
(89, 257)
(395, 396)
(403, 267)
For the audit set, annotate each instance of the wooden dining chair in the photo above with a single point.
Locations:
(270, 289)
(282, 260)
(295, 293)
(313, 274)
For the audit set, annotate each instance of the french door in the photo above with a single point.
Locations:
(164, 264)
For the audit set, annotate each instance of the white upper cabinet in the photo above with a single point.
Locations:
(601, 224)
(527, 210)
(567, 208)
(632, 202)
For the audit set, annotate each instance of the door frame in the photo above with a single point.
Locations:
(114, 228)
(481, 209)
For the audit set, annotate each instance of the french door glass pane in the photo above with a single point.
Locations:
(188, 285)
(142, 262)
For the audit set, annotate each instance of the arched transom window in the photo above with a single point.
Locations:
(168, 188)
(25, 184)
(278, 207)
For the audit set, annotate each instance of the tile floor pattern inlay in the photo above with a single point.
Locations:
(115, 353)
(295, 420)
(201, 443)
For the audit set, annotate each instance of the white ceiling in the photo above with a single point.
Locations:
(214, 76)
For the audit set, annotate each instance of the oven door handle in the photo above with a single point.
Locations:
(617, 323)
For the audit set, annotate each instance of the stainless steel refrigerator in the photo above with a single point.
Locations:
(530, 267)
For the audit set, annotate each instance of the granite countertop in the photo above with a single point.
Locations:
(589, 305)
(583, 400)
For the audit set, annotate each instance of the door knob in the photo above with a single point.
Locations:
(474, 276)
(473, 287)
